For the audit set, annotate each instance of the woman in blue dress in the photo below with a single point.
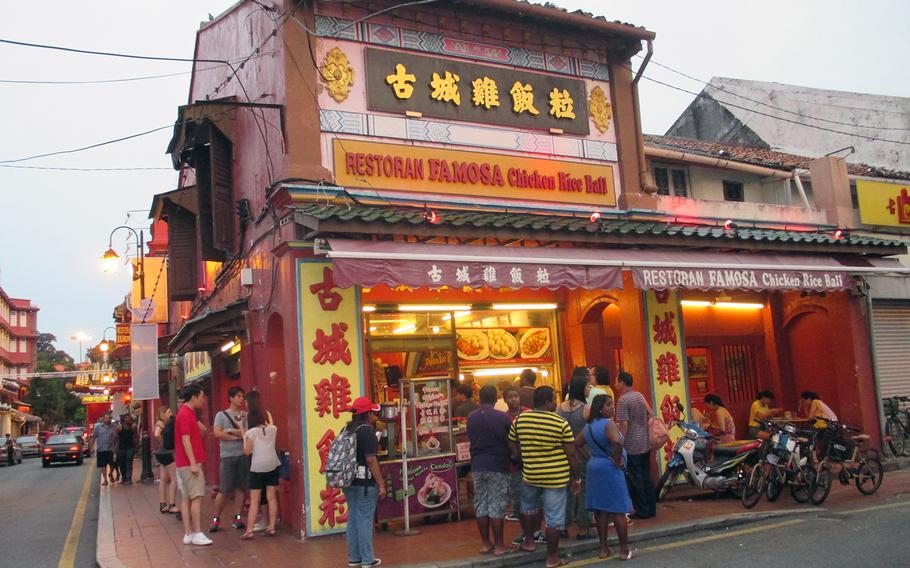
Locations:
(607, 494)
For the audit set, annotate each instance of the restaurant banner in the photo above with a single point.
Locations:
(739, 278)
(502, 345)
(667, 360)
(460, 90)
(144, 361)
(332, 377)
(196, 365)
(883, 203)
(423, 169)
(370, 272)
(432, 487)
(123, 334)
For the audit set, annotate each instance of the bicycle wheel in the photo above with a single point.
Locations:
(822, 486)
(753, 489)
(894, 432)
(774, 485)
(800, 489)
(869, 477)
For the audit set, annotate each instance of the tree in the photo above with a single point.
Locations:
(49, 357)
(49, 398)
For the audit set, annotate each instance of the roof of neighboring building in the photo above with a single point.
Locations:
(619, 230)
(761, 156)
(801, 120)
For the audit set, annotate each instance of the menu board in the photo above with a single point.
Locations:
(518, 345)
(432, 486)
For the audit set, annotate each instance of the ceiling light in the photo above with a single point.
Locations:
(228, 346)
(447, 317)
(541, 306)
(740, 305)
(699, 303)
(368, 309)
(433, 308)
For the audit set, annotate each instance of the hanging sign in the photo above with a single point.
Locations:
(882, 203)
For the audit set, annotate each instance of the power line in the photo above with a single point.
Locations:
(62, 169)
(89, 147)
(107, 53)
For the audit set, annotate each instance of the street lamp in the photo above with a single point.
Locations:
(109, 263)
(80, 336)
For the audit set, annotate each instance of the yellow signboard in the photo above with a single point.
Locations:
(457, 172)
(196, 365)
(332, 378)
(124, 334)
(96, 399)
(884, 203)
(152, 308)
(668, 363)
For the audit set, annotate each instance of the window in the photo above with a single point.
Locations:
(733, 191)
(671, 181)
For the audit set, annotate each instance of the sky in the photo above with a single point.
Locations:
(54, 224)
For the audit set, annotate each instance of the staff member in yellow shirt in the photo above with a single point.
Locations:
(761, 410)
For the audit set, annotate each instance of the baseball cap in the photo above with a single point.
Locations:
(362, 405)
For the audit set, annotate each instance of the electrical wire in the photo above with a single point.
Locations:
(89, 147)
(62, 169)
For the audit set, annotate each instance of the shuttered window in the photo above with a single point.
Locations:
(213, 159)
(182, 275)
(891, 340)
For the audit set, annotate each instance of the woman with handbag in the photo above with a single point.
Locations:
(611, 501)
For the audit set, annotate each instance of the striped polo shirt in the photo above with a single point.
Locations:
(540, 435)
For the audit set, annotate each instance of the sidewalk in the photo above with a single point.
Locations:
(143, 537)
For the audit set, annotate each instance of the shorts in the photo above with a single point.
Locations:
(235, 474)
(554, 504)
(191, 486)
(491, 493)
(165, 458)
(262, 479)
(105, 458)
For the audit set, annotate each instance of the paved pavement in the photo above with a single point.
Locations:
(40, 507)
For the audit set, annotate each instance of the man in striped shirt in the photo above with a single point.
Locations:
(543, 441)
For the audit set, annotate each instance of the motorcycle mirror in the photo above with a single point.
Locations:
(691, 434)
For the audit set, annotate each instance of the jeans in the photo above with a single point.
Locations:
(361, 509)
(642, 491)
(125, 464)
(553, 500)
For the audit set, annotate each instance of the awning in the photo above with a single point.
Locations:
(368, 263)
(211, 329)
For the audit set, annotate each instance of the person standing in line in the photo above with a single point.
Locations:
(632, 415)
(526, 390)
(544, 441)
(189, 455)
(513, 409)
(464, 405)
(126, 449)
(367, 487)
(167, 476)
(501, 403)
(611, 501)
(230, 427)
(259, 442)
(488, 432)
(103, 446)
(573, 410)
(599, 378)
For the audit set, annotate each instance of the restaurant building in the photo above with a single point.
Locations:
(393, 204)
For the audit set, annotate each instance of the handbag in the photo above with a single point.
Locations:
(658, 435)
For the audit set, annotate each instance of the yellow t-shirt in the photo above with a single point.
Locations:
(757, 407)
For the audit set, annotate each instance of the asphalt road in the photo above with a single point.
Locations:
(876, 536)
(38, 507)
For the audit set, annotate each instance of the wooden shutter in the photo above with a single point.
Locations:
(222, 194)
(181, 249)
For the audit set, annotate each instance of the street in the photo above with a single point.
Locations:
(46, 531)
(864, 536)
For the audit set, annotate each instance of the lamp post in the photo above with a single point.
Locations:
(80, 337)
(109, 261)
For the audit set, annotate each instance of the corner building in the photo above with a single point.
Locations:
(391, 205)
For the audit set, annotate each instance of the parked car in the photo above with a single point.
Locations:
(30, 446)
(17, 453)
(82, 433)
(62, 448)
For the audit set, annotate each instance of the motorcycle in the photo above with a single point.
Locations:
(731, 464)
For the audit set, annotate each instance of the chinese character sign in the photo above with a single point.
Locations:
(667, 362)
(882, 203)
(332, 379)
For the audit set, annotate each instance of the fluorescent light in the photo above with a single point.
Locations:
(740, 305)
(447, 317)
(699, 303)
(542, 306)
(368, 309)
(405, 328)
(372, 328)
(435, 329)
(228, 346)
(501, 371)
(433, 308)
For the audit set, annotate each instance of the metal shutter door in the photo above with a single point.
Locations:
(891, 328)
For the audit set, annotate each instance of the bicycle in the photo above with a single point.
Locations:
(785, 458)
(897, 432)
(863, 467)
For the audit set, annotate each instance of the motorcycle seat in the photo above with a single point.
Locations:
(730, 449)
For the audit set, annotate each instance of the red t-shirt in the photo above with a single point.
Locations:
(186, 424)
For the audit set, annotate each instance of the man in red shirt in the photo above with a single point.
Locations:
(189, 455)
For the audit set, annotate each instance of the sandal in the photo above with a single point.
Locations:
(248, 535)
(562, 562)
(163, 507)
(172, 508)
(269, 532)
(626, 556)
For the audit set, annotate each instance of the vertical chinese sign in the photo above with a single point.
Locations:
(668, 362)
(331, 379)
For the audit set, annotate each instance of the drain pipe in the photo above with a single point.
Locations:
(876, 374)
(643, 172)
(801, 189)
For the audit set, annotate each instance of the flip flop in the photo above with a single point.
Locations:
(512, 549)
(247, 535)
(487, 550)
(562, 562)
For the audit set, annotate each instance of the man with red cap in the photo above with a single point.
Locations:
(367, 487)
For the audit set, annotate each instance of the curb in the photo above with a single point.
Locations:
(105, 547)
(573, 548)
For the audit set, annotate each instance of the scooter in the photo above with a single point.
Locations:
(728, 469)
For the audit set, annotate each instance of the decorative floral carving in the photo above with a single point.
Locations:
(337, 74)
(600, 108)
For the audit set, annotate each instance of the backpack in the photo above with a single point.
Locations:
(167, 435)
(341, 462)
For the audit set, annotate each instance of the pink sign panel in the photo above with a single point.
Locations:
(739, 279)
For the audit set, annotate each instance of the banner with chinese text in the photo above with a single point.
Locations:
(331, 378)
(883, 203)
(666, 351)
